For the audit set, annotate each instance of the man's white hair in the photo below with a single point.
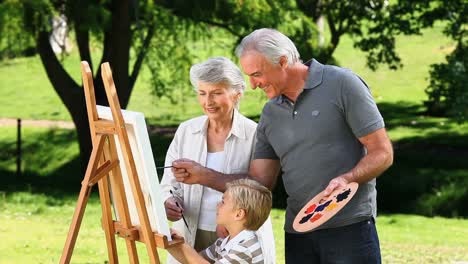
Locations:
(270, 43)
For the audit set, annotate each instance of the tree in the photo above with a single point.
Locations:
(130, 34)
(84, 16)
(242, 17)
(374, 25)
(352, 18)
(129, 31)
(13, 43)
(298, 19)
(126, 30)
(447, 91)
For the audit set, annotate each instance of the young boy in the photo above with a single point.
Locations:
(246, 204)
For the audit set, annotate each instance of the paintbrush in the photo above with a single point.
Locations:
(165, 167)
(183, 218)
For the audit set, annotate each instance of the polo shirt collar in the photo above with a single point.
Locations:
(227, 244)
(315, 74)
(237, 129)
(314, 78)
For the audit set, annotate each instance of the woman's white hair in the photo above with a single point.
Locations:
(218, 70)
(270, 43)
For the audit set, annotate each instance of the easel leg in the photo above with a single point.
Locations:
(82, 201)
(107, 222)
(75, 225)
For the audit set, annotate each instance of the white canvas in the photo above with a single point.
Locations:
(143, 155)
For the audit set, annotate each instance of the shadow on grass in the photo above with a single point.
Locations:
(429, 175)
(49, 164)
(53, 149)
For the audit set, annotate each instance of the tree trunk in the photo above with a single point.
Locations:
(116, 52)
(70, 93)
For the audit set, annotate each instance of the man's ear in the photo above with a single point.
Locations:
(238, 96)
(283, 62)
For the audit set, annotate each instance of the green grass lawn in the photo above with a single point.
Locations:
(34, 229)
(406, 84)
(35, 225)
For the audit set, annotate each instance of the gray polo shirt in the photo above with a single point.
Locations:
(316, 139)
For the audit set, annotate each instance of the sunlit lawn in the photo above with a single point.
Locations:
(34, 229)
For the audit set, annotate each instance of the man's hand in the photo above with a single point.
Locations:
(173, 212)
(188, 171)
(221, 231)
(336, 183)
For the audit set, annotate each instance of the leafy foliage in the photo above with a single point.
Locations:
(242, 17)
(169, 57)
(448, 91)
(353, 18)
(14, 43)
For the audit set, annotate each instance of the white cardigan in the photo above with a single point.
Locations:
(190, 142)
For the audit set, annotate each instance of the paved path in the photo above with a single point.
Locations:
(37, 123)
(11, 122)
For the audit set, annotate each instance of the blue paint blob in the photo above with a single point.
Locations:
(340, 197)
(323, 206)
(306, 218)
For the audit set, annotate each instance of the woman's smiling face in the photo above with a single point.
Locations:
(216, 100)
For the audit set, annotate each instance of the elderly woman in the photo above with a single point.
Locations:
(222, 140)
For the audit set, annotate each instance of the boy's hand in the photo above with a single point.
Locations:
(175, 234)
(173, 212)
(221, 231)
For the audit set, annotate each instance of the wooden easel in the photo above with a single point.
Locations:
(104, 169)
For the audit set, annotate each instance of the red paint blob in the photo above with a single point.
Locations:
(310, 209)
(315, 217)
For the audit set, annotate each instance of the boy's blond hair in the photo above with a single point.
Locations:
(254, 198)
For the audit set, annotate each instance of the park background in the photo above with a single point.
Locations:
(392, 45)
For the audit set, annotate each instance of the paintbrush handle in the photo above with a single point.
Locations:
(177, 204)
(183, 218)
(165, 167)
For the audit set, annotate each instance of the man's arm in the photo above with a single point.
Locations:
(379, 157)
(264, 171)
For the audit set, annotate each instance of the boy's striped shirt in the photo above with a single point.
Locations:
(243, 248)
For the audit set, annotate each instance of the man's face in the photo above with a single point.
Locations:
(269, 77)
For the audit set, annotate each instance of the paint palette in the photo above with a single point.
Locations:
(320, 209)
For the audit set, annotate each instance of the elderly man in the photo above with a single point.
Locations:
(322, 128)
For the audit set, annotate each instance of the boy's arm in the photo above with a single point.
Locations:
(186, 254)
